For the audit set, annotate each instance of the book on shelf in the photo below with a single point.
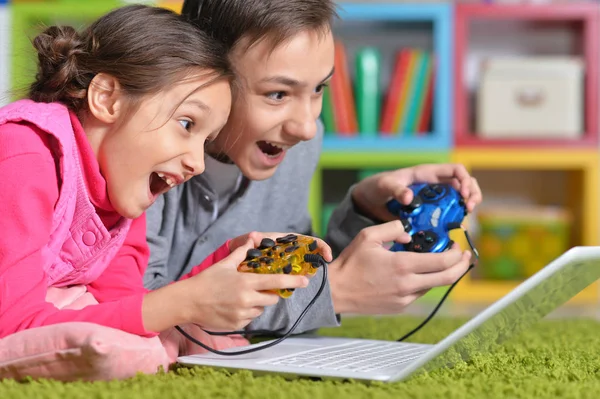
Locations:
(364, 108)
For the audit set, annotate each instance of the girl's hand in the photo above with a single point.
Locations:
(223, 299)
(257, 237)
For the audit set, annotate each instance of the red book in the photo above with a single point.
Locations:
(341, 91)
(392, 100)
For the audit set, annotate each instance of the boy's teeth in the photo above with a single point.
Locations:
(282, 147)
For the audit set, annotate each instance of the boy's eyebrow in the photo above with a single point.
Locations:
(292, 82)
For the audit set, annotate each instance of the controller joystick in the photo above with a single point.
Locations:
(285, 255)
(435, 210)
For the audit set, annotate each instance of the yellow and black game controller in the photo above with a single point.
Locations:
(285, 255)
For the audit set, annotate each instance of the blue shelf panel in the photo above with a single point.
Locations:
(442, 18)
(429, 142)
(394, 12)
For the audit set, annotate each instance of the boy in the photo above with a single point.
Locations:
(259, 170)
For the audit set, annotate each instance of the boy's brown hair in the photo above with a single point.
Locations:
(230, 21)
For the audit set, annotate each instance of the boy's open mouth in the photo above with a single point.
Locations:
(269, 149)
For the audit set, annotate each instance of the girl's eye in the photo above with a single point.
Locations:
(276, 95)
(187, 124)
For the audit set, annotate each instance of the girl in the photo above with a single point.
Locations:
(117, 116)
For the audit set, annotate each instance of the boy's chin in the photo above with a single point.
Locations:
(257, 174)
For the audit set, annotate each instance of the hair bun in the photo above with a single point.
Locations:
(58, 48)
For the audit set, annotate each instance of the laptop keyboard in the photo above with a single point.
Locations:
(354, 356)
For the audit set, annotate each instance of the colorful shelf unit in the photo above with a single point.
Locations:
(586, 14)
(583, 199)
(173, 5)
(440, 16)
(578, 160)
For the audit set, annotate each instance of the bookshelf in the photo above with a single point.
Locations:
(440, 18)
(582, 18)
(454, 138)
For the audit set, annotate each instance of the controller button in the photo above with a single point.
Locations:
(418, 248)
(313, 245)
(287, 239)
(438, 189)
(429, 193)
(429, 239)
(420, 234)
(269, 253)
(253, 253)
(288, 268)
(416, 202)
(267, 260)
(291, 249)
(254, 265)
(406, 224)
(266, 243)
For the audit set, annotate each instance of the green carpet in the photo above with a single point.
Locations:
(555, 358)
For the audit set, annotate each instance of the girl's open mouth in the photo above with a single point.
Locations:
(159, 184)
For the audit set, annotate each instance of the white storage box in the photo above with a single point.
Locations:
(532, 97)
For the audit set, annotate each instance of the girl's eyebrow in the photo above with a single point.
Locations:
(285, 80)
(199, 104)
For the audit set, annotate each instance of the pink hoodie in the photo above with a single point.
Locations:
(58, 229)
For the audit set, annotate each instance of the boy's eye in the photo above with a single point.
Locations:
(187, 124)
(321, 87)
(276, 95)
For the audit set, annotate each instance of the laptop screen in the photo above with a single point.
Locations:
(536, 297)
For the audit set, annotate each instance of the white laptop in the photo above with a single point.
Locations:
(389, 361)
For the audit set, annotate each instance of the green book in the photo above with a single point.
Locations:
(327, 115)
(368, 91)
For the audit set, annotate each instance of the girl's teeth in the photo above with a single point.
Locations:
(167, 179)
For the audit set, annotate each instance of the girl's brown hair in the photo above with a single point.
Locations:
(145, 48)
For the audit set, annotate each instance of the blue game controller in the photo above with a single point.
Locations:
(436, 209)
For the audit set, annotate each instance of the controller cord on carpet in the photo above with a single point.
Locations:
(312, 258)
(475, 253)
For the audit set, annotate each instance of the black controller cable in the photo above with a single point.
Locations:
(319, 260)
(451, 226)
(311, 258)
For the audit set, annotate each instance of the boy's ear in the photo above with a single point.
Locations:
(105, 98)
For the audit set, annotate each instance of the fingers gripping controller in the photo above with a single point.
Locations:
(436, 209)
(290, 254)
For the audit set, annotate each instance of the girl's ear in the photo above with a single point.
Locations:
(105, 98)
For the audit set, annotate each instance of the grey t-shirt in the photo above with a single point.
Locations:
(182, 230)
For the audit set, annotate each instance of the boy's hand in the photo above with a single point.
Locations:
(372, 194)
